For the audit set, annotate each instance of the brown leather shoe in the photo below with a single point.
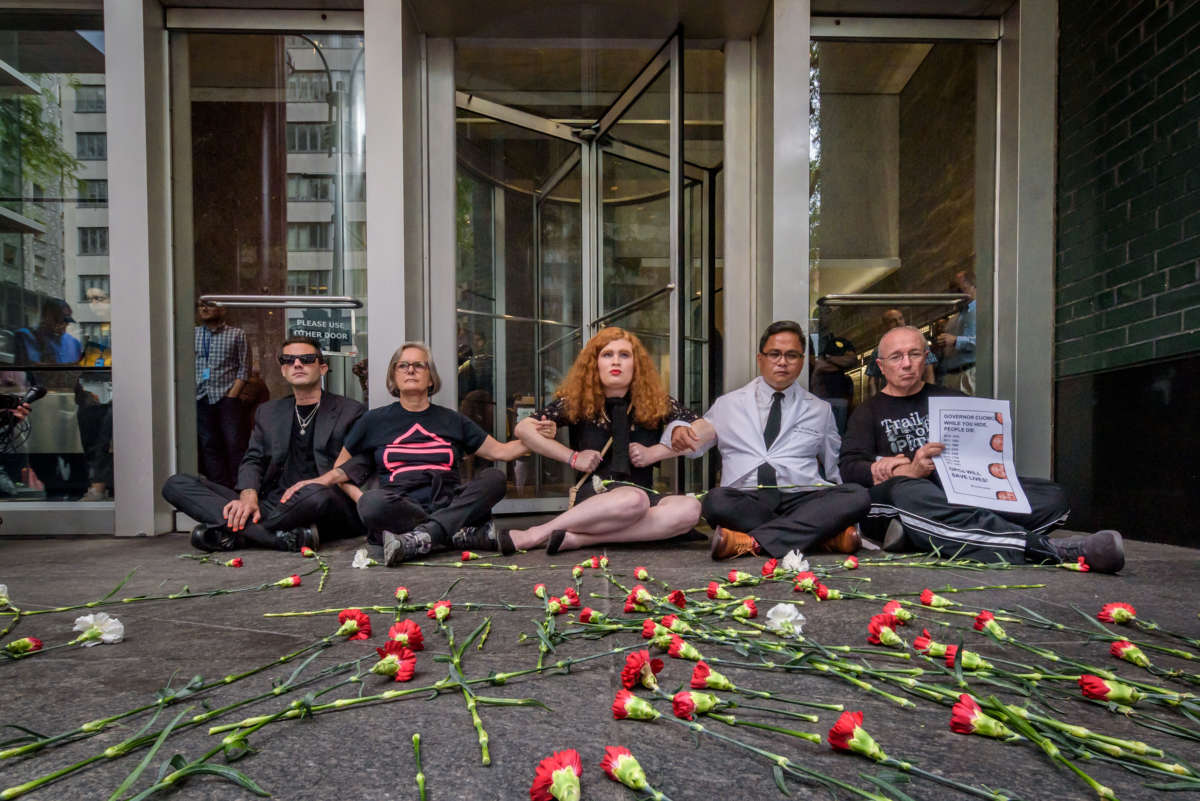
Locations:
(727, 543)
(846, 541)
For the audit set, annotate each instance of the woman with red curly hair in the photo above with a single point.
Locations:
(612, 392)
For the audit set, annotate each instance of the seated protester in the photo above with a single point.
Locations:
(775, 439)
(422, 504)
(887, 450)
(280, 503)
(615, 407)
(894, 318)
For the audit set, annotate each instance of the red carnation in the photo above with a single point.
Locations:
(717, 592)
(641, 574)
(355, 624)
(637, 598)
(408, 634)
(395, 661)
(982, 618)
(930, 598)
(1117, 613)
(882, 631)
(571, 597)
(850, 563)
(649, 628)
(968, 718)
(843, 731)
(822, 591)
(897, 610)
(621, 766)
(768, 568)
(705, 678)
(235, 562)
(951, 653)
(1098, 689)
(682, 649)
(401, 594)
(557, 777)
(677, 598)
(589, 615)
(746, 609)
(593, 563)
(1124, 649)
(628, 705)
(439, 611)
(640, 669)
(806, 581)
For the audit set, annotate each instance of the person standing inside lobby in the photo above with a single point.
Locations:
(957, 343)
(222, 368)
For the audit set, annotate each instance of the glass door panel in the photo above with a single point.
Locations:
(518, 292)
(268, 136)
(901, 188)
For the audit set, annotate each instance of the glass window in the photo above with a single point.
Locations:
(356, 187)
(308, 137)
(93, 241)
(91, 146)
(267, 216)
(89, 99)
(356, 235)
(310, 187)
(307, 86)
(93, 193)
(900, 203)
(309, 236)
(93, 287)
(55, 333)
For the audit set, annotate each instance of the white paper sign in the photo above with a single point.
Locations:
(977, 468)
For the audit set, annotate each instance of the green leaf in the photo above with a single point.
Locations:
(888, 786)
(137, 772)
(777, 772)
(117, 588)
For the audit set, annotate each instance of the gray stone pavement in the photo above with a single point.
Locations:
(365, 752)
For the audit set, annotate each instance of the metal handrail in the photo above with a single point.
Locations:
(515, 318)
(633, 304)
(891, 298)
(283, 301)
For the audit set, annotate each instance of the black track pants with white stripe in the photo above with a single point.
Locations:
(933, 524)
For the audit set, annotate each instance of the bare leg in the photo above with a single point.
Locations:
(673, 515)
(609, 511)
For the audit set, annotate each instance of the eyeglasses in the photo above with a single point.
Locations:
(305, 358)
(416, 366)
(912, 355)
(785, 355)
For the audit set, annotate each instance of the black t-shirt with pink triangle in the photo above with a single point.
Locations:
(414, 449)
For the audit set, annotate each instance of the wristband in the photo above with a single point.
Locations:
(571, 461)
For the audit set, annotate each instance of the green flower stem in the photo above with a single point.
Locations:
(96, 726)
(1084, 733)
(185, 593)
(811, 704)
(969, 789)
(471, 565)
(805, 716)
(404, 608)
(29, 786)
(782, 762)
(730, 720)
(416, 741)
(1148, 625)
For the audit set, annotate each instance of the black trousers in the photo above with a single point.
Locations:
(330, 509)
(783, 521)
(219, 431)
(933, 524)
(469, 504)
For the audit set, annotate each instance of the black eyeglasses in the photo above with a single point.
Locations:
(417, 367)
(305, 358)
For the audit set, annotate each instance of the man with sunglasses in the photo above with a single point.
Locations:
(887, 450)
(780, 488)
(280, 501)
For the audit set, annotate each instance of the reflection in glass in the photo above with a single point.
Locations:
(55, 315)
(519, 240)
(278, 201)
(900, 195)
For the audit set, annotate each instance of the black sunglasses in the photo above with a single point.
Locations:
(305, 358)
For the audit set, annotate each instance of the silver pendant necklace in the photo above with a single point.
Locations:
(307, 419)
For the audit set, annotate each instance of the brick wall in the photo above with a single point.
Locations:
(1128, 288)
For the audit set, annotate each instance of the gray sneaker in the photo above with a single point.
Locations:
(407, 545)
(475, 537)
(1104, 551)
(893, 539)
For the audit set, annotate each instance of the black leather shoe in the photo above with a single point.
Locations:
(211, 538)
(297, 538)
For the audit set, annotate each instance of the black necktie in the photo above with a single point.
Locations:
(766, 473)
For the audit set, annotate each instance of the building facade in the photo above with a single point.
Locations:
(1016, 170)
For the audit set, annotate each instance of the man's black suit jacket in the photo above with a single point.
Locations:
(267, 452)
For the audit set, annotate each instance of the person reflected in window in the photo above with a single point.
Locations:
(278, 503)
(829, 381)
(957, 343)
(93, 397)
(49, 342)
(422, 504)
(615, 408)
(222, 368)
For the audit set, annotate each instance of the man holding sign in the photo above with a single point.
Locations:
(887, 450)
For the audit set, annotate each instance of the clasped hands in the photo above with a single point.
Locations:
(919, 466)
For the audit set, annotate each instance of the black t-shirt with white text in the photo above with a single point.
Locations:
(886, 425)
(415, 450)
